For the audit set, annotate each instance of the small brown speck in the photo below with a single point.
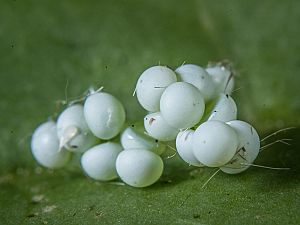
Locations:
(151, 121)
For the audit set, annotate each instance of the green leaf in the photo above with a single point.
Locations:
(44, 44)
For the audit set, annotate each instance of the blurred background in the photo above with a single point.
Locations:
(46, 44)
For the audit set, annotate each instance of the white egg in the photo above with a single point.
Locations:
(214, 143)
(73, 131)
(139, 167)
(45, 147)
(104, 114)
(198, 77)
(134, 138)
(248, 148)
(225, 109)
(182, 105)
(99, 162)
(184, 147)
(151, 85)
(222, 77)
(158, 128)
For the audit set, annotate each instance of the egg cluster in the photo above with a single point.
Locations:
(190, 107)
(193, 105)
